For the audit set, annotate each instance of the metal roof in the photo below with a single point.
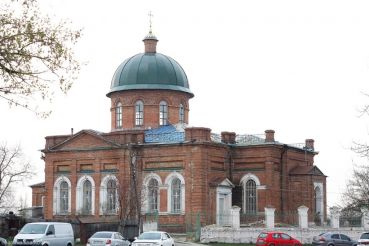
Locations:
(150, 71)
(165, 134)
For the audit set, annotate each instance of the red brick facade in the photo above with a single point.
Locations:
(214, 172)
(38, 194)
(199, 160)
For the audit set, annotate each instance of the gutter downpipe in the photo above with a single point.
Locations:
(282, 183)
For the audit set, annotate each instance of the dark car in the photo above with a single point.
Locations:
(275, 238)
(333, 239)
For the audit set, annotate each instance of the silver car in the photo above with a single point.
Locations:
(154, 238)
(333, 239)
(107, 238)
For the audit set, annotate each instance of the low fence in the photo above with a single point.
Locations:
(254, 219)
(350, 221)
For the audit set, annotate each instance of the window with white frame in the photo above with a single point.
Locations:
(61, 196)
(181, 113)
(176, 195)
(319, 202)
(118, 115)
(139, 112)
(153, 194)
(175, 184)
(250, 185)
(109, 195)
(163, 113)
(151, 190)
(85, 195)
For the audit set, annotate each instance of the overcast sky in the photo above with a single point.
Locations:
(298, 67)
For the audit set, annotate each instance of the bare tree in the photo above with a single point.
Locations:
(131, 197)
(356, 195)
(36, 56)
(13, 170)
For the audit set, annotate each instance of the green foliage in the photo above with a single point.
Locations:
(36, 56)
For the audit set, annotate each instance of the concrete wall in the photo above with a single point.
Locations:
(249, 235)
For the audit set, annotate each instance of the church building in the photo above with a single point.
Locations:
(152, 161)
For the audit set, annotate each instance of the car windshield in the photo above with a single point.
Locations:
(263, 235)
(102, 235)
(33, 229)
(150, 235)
(365, 236)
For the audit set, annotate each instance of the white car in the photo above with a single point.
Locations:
(364, 239)
(107, 238)
(154, 238)
(45, 233)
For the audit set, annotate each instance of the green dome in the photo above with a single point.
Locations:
(150, 71)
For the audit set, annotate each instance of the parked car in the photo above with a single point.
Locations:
(45, 233)
(333, 239)
(3, 242)
(275, 238)
(107, 238)
(364, 239)
(151, 238)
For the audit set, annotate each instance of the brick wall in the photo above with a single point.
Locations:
(151, 100)
(200, 161)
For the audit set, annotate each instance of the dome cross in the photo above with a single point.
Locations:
(150, 21)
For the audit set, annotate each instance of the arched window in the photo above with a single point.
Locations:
(64, 197)
(87, 197)
(250, 197)
(109, 195)
(163, 113)
(118, 115)
(176, 195)
(111, 199)
(181, 113)
(139, 113)
(153, 191)
(61, 196)
(318, 197)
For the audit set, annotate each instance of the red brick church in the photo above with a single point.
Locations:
(153, 157)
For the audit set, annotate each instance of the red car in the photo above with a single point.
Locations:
(275, 238)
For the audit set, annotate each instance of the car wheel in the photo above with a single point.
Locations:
(272, 244)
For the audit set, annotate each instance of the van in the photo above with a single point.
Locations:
(45, 234)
